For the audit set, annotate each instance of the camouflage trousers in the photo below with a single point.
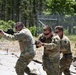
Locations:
(51, 65)
(65, 63)
(21, 66)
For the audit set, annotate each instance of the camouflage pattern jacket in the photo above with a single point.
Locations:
(51, 45)
(65, 46)
(25, 40)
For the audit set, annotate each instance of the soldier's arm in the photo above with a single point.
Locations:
(53, 45)
(67, 44)
(16, 36)
(39, 42)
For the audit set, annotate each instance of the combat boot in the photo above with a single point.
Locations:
(32, 74)
(27, 70)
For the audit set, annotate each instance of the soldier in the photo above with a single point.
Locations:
(65, 49)
(27, 48)
(51, 54)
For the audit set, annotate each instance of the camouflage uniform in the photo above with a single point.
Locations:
(66, 60)
(51, 54)
(27, 49)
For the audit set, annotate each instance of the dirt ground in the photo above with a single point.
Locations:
(8, 58)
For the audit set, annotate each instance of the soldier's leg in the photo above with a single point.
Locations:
(56, 67)
(61, 70)
(27, 70)
(65, 67)
(20, 66)
(51, 68)
(61, 66)
(45, 66)
(67, 72)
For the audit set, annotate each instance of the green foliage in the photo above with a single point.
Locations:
(11, 22)
(39, 30)
(66, 32)
(74, 7)
(72, 37)
(61, 6)
(33, 30)
(5, 25)
(27, 10)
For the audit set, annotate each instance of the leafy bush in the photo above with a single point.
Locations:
(5, 25)
(66, 32)
(33, 30)
(10, 22)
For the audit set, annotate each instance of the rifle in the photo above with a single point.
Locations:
(10, 31)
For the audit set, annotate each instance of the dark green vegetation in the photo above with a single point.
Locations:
(27, 11)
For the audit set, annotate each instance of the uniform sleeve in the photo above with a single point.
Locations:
(16, 36)
(39, 39)
(68, 46)
(65, 45)
(54, 44)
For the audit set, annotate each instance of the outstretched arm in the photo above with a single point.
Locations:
(16, 36)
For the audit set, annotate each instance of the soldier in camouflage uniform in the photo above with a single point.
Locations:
(65, 49)
(27, 48)
(51, 54)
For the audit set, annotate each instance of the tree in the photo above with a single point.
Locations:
(60, 7)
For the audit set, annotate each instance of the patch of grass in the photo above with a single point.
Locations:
(72, 37)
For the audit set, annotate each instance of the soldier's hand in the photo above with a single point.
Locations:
(38, 43)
